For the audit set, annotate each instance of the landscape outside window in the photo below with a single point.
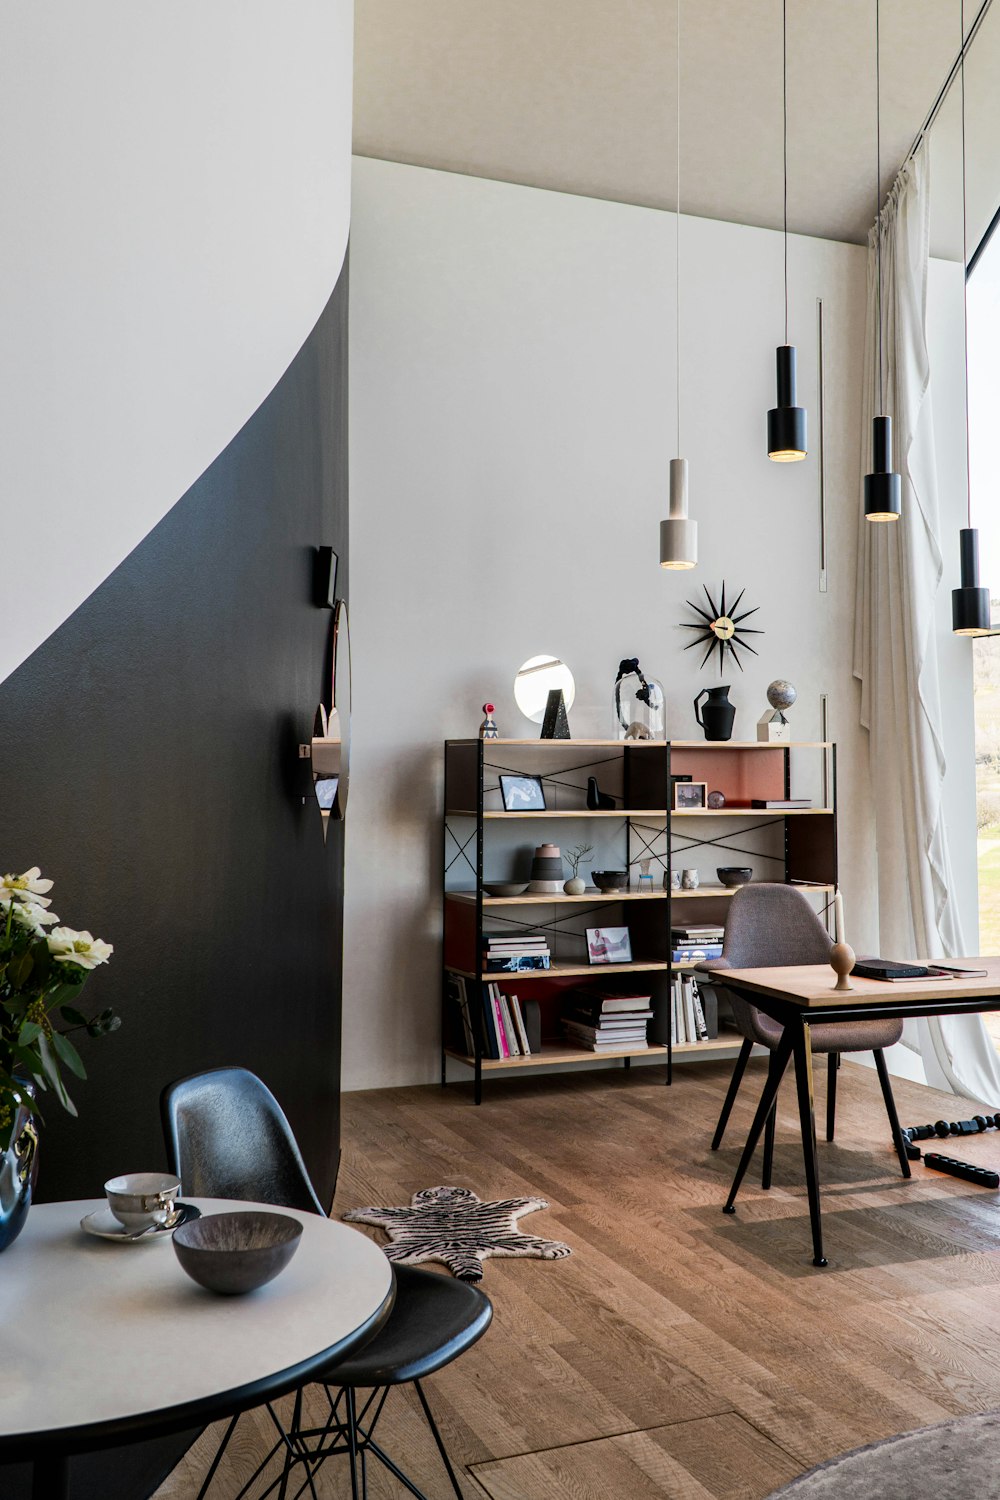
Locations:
(984, 456)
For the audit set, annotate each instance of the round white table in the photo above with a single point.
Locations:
(105, 1343)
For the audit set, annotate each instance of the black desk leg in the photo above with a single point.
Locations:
(799, 1031)
(774, 1074)
(50, 1480)
(765, 1175)
(890, 1109)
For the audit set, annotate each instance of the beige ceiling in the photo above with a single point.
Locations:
(578, 96)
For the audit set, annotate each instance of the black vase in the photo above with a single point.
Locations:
(718, 714)
(18, 1170)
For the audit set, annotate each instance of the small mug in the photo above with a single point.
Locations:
(690, 880)
(675, 880)
(142, 1198)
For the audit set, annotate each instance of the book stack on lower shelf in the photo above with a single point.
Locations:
(692, 945)
(515, 955)
(603, 1020)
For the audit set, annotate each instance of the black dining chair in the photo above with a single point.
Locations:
(769, 926)
(227, 1137)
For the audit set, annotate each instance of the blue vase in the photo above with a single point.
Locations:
(18, 1170)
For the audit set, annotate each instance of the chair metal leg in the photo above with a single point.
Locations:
(734, 1087)
(437, 1438)
(768, 1163)
(833, 1063)
(352, 1441)
(767, 1098)
(890, 1109)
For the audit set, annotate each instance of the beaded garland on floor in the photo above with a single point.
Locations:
(454, 1226)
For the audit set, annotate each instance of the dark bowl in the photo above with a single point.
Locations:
(234, 1253)
(734, 874)
(610, 880)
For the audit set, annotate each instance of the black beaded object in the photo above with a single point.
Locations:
(981, 1176)
(944, 1128)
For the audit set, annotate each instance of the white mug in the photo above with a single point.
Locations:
(690, 880)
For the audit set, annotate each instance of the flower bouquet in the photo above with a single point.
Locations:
(43, 968)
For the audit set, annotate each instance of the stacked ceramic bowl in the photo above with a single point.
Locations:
(546, 871)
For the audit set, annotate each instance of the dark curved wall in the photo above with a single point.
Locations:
(149, 767)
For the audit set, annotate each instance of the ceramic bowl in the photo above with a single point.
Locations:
(505, 887)
(142, 1198)
(731, 875)
(610, 880)
(238, 1252)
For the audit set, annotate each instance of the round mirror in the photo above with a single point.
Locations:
(342, 702)
(540, 676)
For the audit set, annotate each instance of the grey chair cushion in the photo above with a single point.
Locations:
(772, 925)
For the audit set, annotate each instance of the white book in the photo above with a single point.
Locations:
(677, 1010)
(513, 1046)
(687, 991)
(522, 1035)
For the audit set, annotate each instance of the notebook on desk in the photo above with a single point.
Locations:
(896, 973)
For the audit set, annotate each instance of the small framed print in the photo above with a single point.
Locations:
(690, 796)
(609, 945)
(522, 794)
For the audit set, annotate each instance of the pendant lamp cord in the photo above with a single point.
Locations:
(878, 199)
(677, 230)
(965, 280)
(784, 126)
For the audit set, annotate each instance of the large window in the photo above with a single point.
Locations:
(984, 453)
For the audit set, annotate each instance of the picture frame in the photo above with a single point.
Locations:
(690, 796)
(609, 945)
(522, 794)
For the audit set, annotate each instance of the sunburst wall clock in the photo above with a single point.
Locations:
(722, 629)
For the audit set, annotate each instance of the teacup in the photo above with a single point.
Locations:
(140, 1199)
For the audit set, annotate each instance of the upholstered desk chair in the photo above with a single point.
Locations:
(770, 925)
(227, 1137)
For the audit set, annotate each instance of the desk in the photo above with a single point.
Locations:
(799, 997)
(106, 1343)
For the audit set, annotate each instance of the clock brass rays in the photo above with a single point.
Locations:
(722, 629)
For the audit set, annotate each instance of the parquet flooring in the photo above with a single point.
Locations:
(677, 1353)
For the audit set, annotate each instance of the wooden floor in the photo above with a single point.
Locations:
(678, 1352)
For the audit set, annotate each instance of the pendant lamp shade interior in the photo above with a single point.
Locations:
(970, 604)
(786, 422)
(678, 533)
(883, 488)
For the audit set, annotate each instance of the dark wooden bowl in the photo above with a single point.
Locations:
(235, 1253)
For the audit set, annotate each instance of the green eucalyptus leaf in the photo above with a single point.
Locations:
(53, 1075)
(30, 1032)
(72, 1015)
(68, 1054)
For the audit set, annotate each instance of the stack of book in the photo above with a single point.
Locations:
(513, 955)
(693, 944)
(603, 1020)
(503, 1024)
(687, 1013)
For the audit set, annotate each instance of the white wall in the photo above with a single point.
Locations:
(175, 182)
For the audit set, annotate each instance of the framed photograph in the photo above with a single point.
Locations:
(522, 793)
(690, 795)
(609, 945)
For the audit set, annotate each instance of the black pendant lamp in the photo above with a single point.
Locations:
(786, 422)
(883, 486)
(678, 533)
(970, 603)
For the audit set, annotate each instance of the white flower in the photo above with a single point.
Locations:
(27, 914)
(27, 887)
(69, 947)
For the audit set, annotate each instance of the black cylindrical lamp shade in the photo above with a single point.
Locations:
(883, 488)
(970, 604)
(786, 422)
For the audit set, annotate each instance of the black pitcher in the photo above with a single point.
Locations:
(716, 718)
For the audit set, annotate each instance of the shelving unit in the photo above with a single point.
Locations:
(795, 845)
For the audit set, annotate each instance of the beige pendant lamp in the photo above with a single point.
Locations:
(678, 533)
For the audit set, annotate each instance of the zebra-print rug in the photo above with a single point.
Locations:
(452, 1225)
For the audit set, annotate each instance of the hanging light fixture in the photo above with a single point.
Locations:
(786, 422)
(883, 487)
(678, 533)
(970, 604)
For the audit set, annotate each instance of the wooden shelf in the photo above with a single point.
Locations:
(589, 898)
(563, 971)
(562, 1052)
(622, 813)
(747, 812)
(660, 744)
(730, 890)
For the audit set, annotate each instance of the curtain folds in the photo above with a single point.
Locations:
(895, 648)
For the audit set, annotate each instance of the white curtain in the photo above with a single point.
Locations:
(895, 649)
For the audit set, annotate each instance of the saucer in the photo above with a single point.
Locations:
(103, 1223)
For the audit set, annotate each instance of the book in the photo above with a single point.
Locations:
(618, 1034)
(779, 803)
(693, 955)
(515, 940)
(624, 1023)
(699, 1015)
(516, 963)
(687, 994)
(501, 1035)
(583, 1006)
(513, 1047)
(711, 932)
(492, 1045)
(609, 1001)
(522, 1035)
(896, 973)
